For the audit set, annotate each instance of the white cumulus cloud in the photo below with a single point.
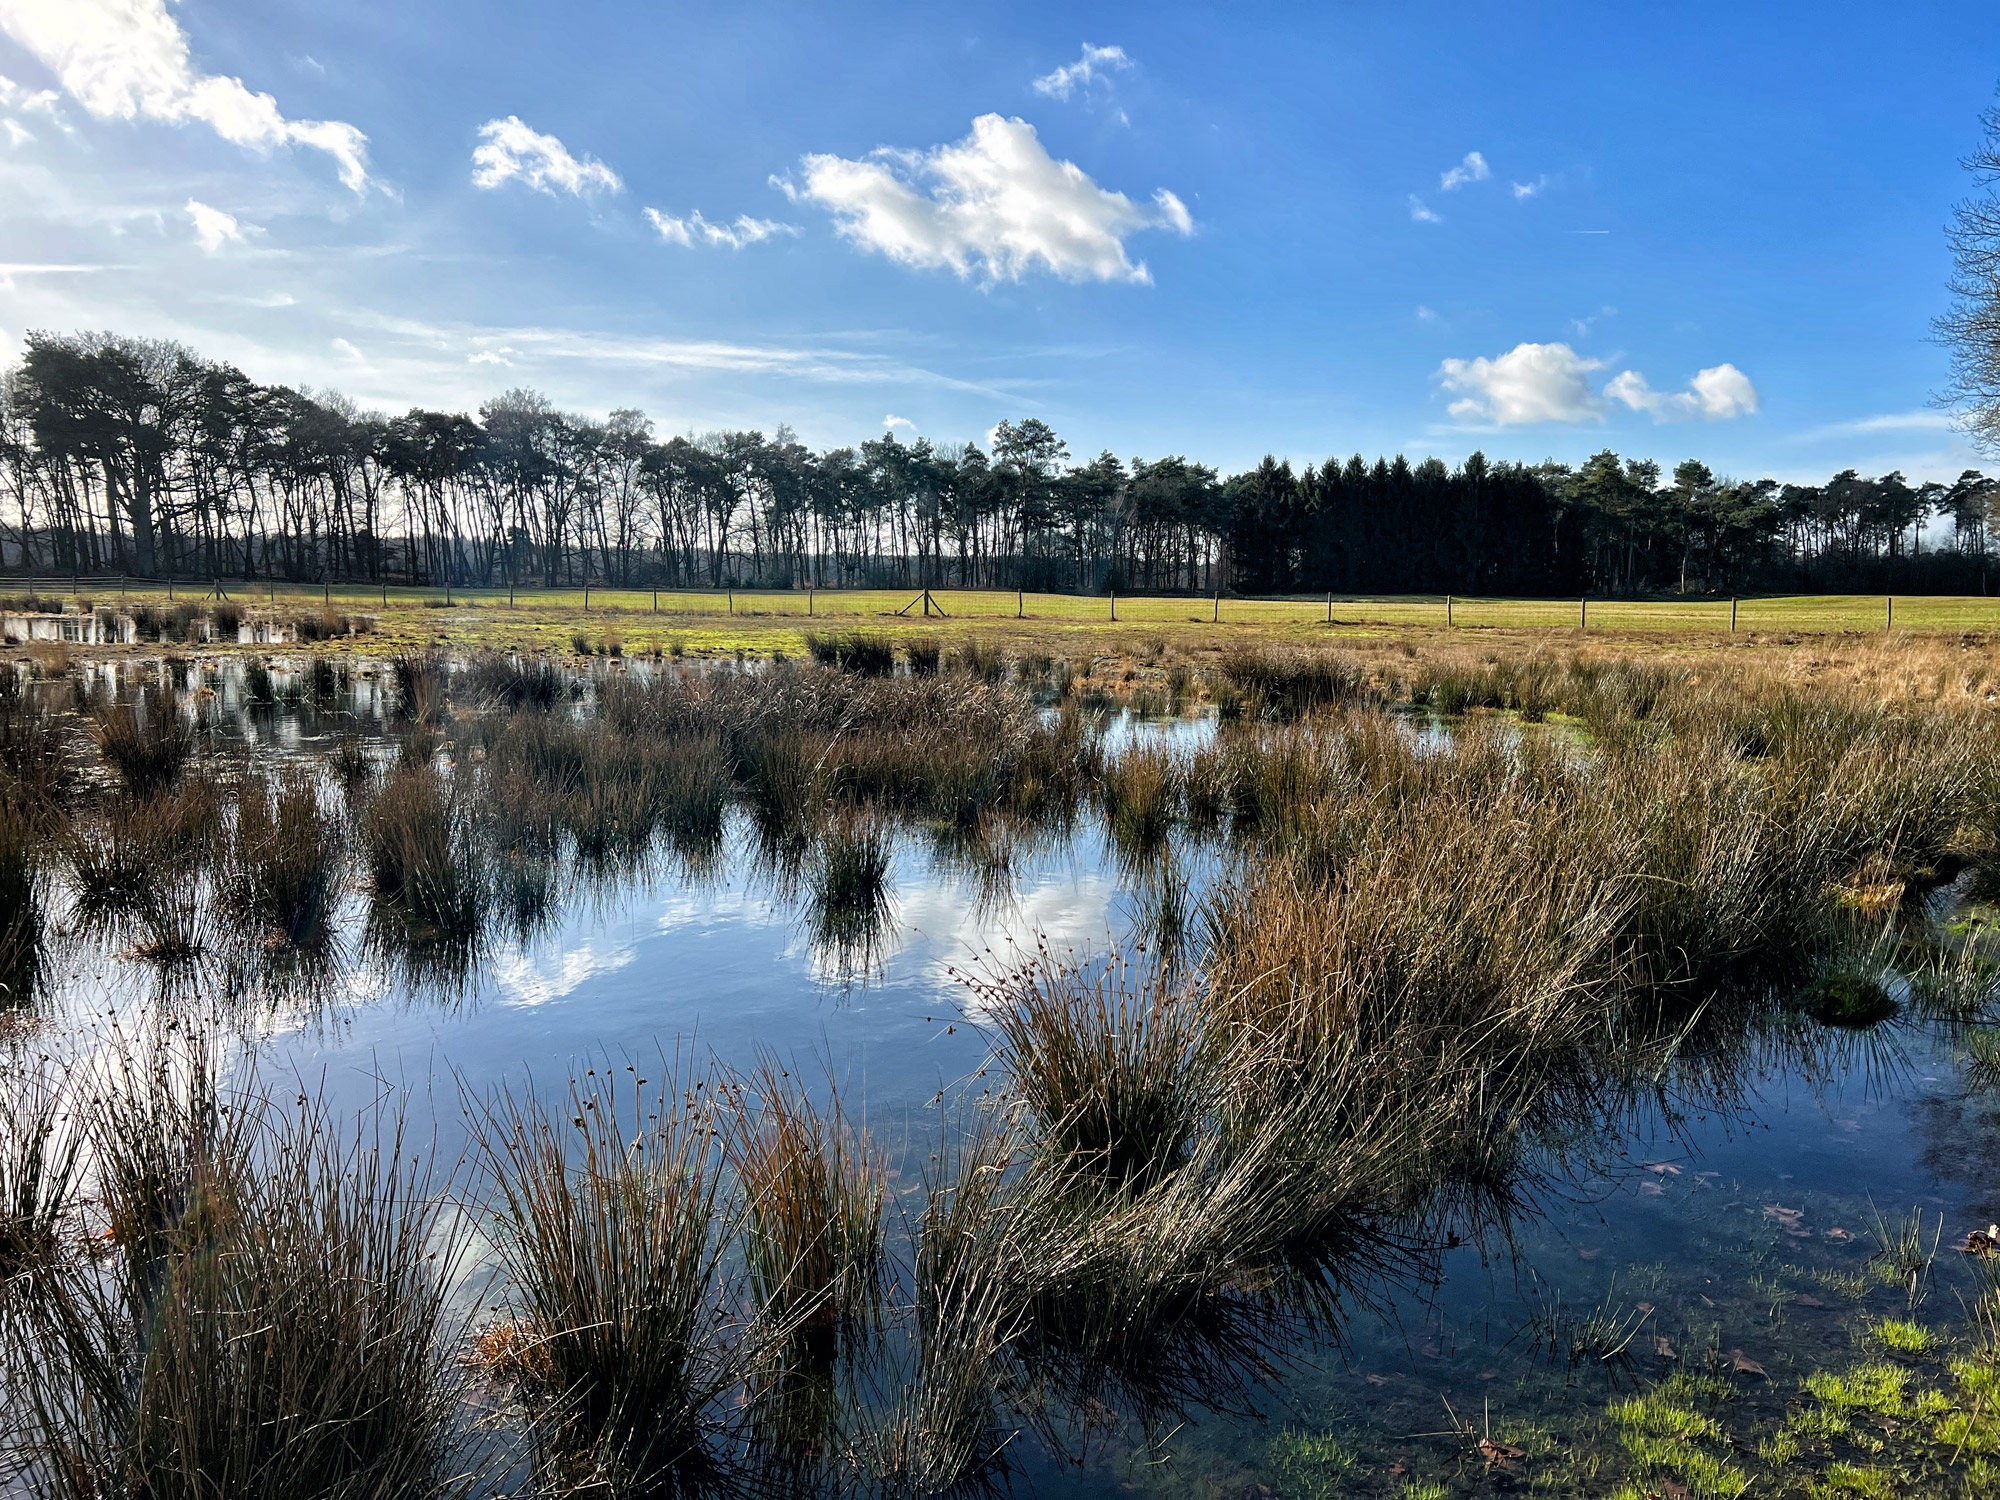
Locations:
(1472, 169)
(212, 227)
(1529, 383)
(996, 203)
(891, 422)
(129, 59)
(1094, 66)
(1718, 394)
(745, 231)
(1550, 383)
(1423, 213)
(1529, 189)
(509, 151)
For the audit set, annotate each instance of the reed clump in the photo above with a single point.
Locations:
(512, 683)
(39, 1160)
(1112, 1063)
(285, 860)
(1289, 683)
(146, 740)
(1140, 792)
(421, 682)
(36, 764)
(134, 856)
(427, 868)
(272, 1318)
(849, 882)
(858, 651)
(614, 1219)
(812, 1188)
(23, 921)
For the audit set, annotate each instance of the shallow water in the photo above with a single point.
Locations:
(1718, 1236)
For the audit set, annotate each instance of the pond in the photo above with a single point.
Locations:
(1724, 1229)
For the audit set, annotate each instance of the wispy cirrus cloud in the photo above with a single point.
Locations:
(1096, 65)
(694, 229)
(1472, 169)
(511, 151)
(130, 60)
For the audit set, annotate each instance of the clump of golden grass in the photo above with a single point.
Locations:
(146, 740)
(428, 871)
(35, 761)
(285, 859)
(272, 1319)
(857, 651)
(614, 1220)
(813, 1194)
(1288, 683)
(943, 1429)
(1111, 1062)
(1140, 792)
(421, 682)
(512, 683)
(135, 857)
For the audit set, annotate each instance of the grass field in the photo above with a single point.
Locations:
(762, 622)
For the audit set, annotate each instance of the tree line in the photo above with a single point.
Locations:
(136, 456)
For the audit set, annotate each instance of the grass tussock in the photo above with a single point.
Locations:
(812, 1187)
(614, 1218)
(856, 651)
(39, 1172)
(271, 1319)
(146, 740)
(285, 860)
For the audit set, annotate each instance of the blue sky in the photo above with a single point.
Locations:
(1700, 229)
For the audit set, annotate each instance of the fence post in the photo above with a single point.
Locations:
(1329, 609)
(732, 601)
(656, 601)
(1447, 611)
(1892, 613)
(1216, 617)
(586, 598)
(1020, 604)
(1114, 606)
(1732, 614)
(1583, 614)
(809, 604)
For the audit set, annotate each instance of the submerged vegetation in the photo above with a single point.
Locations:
(1437, 960)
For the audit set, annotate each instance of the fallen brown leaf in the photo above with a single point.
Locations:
(1498, 1453)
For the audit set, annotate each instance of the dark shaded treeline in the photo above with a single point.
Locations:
(128, 455)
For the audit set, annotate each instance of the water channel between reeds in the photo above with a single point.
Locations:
(1642, 1307)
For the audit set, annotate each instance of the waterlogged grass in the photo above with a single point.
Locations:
(1432, 967)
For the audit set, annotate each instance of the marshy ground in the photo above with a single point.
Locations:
(1303, 1063)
